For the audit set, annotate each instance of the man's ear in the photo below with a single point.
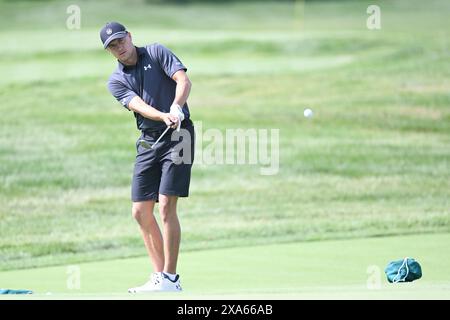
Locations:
(129, 34)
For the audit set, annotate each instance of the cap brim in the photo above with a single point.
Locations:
(114, 36)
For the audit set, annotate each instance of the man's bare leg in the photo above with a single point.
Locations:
(143, 213)
(171, 231)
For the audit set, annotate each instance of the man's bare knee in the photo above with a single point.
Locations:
(167, 207)
(136, 212)
(142, 210)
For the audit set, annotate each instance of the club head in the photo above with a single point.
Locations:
(144, 144)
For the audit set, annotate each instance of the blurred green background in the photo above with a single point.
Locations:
(373, 161)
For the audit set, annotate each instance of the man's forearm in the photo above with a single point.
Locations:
(182, 92)
(138, 105)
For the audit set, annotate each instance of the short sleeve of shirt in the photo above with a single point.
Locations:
(168, 61)
(121, 92)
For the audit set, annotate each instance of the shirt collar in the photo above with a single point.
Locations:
(140, 52)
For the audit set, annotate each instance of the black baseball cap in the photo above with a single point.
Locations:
(112, 31)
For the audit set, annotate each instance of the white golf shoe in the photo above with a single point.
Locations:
(159, 282)
(169, 284)
(150, 286)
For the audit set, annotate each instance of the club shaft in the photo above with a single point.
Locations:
(162, 135)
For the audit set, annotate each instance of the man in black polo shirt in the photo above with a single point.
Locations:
(152, 82)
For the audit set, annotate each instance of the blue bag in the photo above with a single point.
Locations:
(405, 270)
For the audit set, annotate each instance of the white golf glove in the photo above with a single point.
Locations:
(175, 110)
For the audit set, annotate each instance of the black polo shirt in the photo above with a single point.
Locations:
(150, 79)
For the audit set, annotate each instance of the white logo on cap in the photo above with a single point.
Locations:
(108, 31)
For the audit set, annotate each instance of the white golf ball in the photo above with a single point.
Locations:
(308, 113)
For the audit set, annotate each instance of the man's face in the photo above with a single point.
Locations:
(121, 48)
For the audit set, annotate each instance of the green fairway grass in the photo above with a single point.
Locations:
(373, 161)
(336, 269)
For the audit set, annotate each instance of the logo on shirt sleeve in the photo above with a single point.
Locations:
(147, 67)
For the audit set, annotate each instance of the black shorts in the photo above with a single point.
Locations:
(165, 169)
